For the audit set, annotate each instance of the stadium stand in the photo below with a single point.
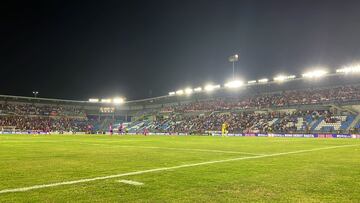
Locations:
(331, 106)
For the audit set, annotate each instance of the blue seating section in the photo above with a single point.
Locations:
(317, 123)
(347, 123)
(308, 119)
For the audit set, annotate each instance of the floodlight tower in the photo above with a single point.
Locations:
(233, 59)
(35, 93)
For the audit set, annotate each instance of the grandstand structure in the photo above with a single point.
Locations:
(328, 105)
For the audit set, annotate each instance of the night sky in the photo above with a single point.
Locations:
(137, 49)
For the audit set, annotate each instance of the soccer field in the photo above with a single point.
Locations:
(83, 168)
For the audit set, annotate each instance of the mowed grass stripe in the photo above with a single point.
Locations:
(23, 189)
(113, 144)
(175, 148)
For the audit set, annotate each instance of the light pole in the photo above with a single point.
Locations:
(233, 59)
(35, 93)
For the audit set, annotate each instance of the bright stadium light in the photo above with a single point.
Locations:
(105, 100)
(281, 78)
(353, 68)
(35, 93)
(118, 100)
(93, 100)
(315, 73)
(180, 92)
(233, 59)
(234, 84)
(172, 93)
(198, 89)
(291, 76)
(188, 91)
(210, 88)
(264, 80)
(251, 81)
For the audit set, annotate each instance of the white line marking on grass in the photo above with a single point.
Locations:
(130, 182)
(23, 189)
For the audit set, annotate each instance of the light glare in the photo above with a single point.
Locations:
(198, 89)
(234, 84)
(188, 91)
(118, 100)
(354, 68)
(281, 78)
(93, 100)
(315, 74)
(106, 100)
(180, 92)
(264, 80)
(211, 87)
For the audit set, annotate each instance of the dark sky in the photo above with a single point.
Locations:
(82, 49)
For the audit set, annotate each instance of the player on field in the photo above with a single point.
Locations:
(110, 129)
(146, 131)
(224, 129)
(120, 130)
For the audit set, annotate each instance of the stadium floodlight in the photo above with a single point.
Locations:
(172, 93)
(264, 80)
(251, 81)
(105, 100)
(198, 89)
(210, 88)
(234, 84)
(93, 100)
(35, 93)
(188, 91)
(315, 73)
(118, 100)
(180, 92)
(353, 68)
(291, 76)
(233, 59)
(281, 78)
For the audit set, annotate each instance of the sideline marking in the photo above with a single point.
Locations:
(130, 182)
(23, 189)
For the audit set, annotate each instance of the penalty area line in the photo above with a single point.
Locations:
(24, 189)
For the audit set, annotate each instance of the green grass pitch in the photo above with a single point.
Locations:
(178, 169)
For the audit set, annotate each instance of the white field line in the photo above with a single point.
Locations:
(176, 148)
(130, 182)
(23, 189)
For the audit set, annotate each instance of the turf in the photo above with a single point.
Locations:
(329, 175)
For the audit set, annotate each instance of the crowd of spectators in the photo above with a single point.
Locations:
(41, 117)
(40, 110)
(45, 124)
(201, 116)
(242, 122)
(280, 99)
